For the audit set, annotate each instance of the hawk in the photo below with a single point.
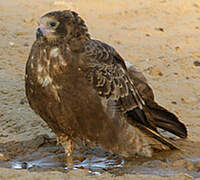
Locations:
(83, 90)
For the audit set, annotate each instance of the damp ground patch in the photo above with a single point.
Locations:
(43, 154)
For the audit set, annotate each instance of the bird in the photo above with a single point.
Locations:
(84, 90)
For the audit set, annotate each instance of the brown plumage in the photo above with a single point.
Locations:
(82, 88)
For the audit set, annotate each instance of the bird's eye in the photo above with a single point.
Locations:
(52, 24)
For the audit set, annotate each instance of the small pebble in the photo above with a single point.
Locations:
(94, 173)
(196, 5)
(4, 92)
(189, 100)
(117, 41)
(21, 51)
(156, 72)
(19, 33)
(159, 29)
(196, 63)
(11, 43)
(24, 165)
(2, 135)
(23, 101)
(174, 102)
(28, 21)
(26, 44)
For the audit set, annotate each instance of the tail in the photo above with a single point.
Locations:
(154, 116)
(166, 120)
(144, 122)
(158, 137)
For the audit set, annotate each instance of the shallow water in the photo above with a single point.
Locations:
(42, 154)
(98, 165)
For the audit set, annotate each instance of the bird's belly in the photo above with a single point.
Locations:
(74, 109)
(70, 107)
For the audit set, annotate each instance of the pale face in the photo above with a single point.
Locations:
(47, 28)
(58, 25)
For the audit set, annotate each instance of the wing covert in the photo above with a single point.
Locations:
(108, 74)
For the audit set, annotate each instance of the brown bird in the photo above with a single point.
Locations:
(83, 90)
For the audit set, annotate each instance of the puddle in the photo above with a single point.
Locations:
(42, 154)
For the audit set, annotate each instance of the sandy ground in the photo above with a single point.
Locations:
(161, 37)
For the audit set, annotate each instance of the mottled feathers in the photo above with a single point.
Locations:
(83, 89)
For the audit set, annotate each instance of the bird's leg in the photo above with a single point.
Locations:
(68, 145)
(69, 148)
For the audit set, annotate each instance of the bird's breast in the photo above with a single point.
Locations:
(43, 71)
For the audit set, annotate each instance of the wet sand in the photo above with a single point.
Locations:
(161, 38)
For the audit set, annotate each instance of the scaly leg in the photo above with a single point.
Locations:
(68, 145)
(69, 149)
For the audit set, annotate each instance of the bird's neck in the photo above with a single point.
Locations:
(76, 44)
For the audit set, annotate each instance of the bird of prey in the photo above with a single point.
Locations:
(83, 90)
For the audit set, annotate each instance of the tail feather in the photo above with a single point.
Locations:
(141, 120)
(154, 116)
(167, 120)
(157, 136)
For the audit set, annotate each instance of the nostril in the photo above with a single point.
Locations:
(39, 33)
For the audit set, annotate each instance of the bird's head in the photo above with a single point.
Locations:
(57, 25)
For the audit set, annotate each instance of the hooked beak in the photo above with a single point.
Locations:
(41, 31)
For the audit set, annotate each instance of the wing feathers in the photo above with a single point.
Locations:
(159, 116)
(167, 121)
(127, 89)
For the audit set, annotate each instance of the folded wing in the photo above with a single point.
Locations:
(127, 93)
